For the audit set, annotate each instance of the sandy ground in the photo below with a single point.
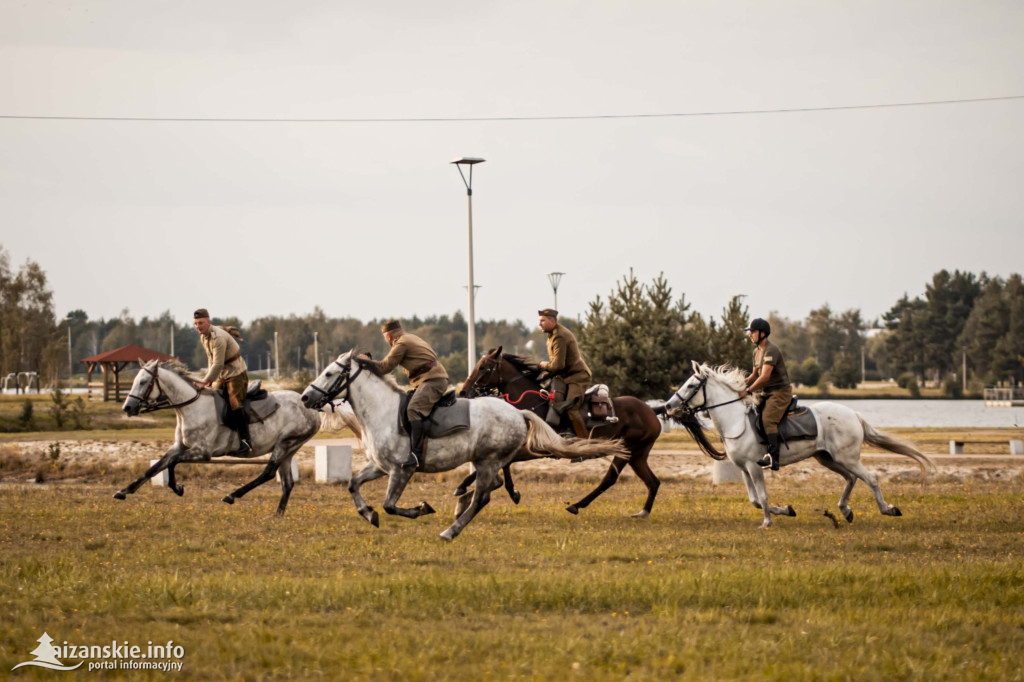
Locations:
(667, 464)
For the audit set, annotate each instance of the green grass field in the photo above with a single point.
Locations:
(697, 591)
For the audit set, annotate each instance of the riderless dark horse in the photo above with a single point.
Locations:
(517, 380)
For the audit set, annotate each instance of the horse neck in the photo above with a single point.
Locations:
(514, 383)
(174, 386)
(727, 414)
(374, 403)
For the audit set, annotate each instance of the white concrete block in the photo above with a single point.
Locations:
(724, 471)
(1016, 447)
(160, 479)
(956, 447)
(333, 463)
(295, 470)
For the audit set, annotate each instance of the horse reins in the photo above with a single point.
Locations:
(148, 406)
(342, 382)
(703, 388)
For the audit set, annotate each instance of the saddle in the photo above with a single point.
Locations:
(598, 408)
(798, 423)
(449, 414)
(258, 405)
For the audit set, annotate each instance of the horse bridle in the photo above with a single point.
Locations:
(703, 407)
(153, 406)
(340, 383)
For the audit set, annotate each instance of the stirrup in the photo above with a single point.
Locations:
(412, 462)
(768, 461)
(244, 446)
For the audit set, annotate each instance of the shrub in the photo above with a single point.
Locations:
(27, 417)
(904, 380)
(807, 373)
(953, 388)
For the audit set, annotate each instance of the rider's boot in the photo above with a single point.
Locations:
(554, 418)
(242, 425)
(577, 423)
(416, 444)
(772, 458)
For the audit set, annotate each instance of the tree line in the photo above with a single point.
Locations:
(639, 340)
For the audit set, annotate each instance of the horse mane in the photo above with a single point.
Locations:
(523, 364)
(733, 378)
(179, 368)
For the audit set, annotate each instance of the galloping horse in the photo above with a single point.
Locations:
(841, 433)
(516, 380)
(495, 433)
(198, 435)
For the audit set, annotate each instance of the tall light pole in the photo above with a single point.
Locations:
(71, 367)
(468, 182)
(555, 278)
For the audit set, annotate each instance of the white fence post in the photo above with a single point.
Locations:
(1016, 447)
(333, 463)
(160, 479)
(295, 470)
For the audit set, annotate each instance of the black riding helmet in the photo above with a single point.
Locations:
(759, 325)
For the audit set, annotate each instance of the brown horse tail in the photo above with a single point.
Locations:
(887, 442)
(542, 441)
(690, 422)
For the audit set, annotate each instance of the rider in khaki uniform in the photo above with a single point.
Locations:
(227, 368)
(570, 375)
(427, 376)
(770, 376)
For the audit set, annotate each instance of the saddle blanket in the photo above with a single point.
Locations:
(797, 425)
(255, 410)
(443, 420)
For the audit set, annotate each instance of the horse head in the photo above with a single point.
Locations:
(142, 388)
(485, 377)
(333, 383)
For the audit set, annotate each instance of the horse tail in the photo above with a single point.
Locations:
(689, 421)
(542, 441)
(887, 442)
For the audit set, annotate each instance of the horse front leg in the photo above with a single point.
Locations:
(267, 474)
(756, 474)
(370, 472)
(396, 486)
(169, 459)
(610, 477)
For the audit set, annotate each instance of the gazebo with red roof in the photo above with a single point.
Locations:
(112, 362)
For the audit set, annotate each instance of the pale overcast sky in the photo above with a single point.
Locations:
(368, 219)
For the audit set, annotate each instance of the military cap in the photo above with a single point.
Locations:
(548, 312)
(200, 314)
(391, 326)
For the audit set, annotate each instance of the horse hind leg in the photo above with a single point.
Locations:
(825, 460)
(638, 463)
(481, 495)
(267, 474)
(869, 478)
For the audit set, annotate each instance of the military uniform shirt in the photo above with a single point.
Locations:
(416, 357)
(221, 347)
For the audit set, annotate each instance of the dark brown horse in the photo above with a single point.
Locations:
(516, 379)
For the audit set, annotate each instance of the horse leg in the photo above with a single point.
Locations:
(751, 491)
(172, 482)
(509, 486)
(396, 486)
(761, 491)
(638, 463)
(287, 483)
(486, 481)
(369, 472)
(610, 477)
(858, 470)
(170, 457)
(466, 482)
(267, 474)
(825, 460)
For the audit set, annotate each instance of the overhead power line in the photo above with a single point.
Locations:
(459, 119)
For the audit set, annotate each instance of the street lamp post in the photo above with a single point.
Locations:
(555, 278)
(468, 182)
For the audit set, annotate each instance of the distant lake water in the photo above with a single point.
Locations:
(933, 413)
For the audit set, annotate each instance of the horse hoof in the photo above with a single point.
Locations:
(447, 536)
(848, 515)
(572, 509)
(642, 514)
(374, 519)
(895, 511)
(459, 492)
(119, 495)
(515, 496)
(179, 490)
(229, 499)
(790, 511)
(426, 509)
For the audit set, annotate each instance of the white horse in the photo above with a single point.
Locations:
(199, 435)
(497, 431)
(841, 433)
